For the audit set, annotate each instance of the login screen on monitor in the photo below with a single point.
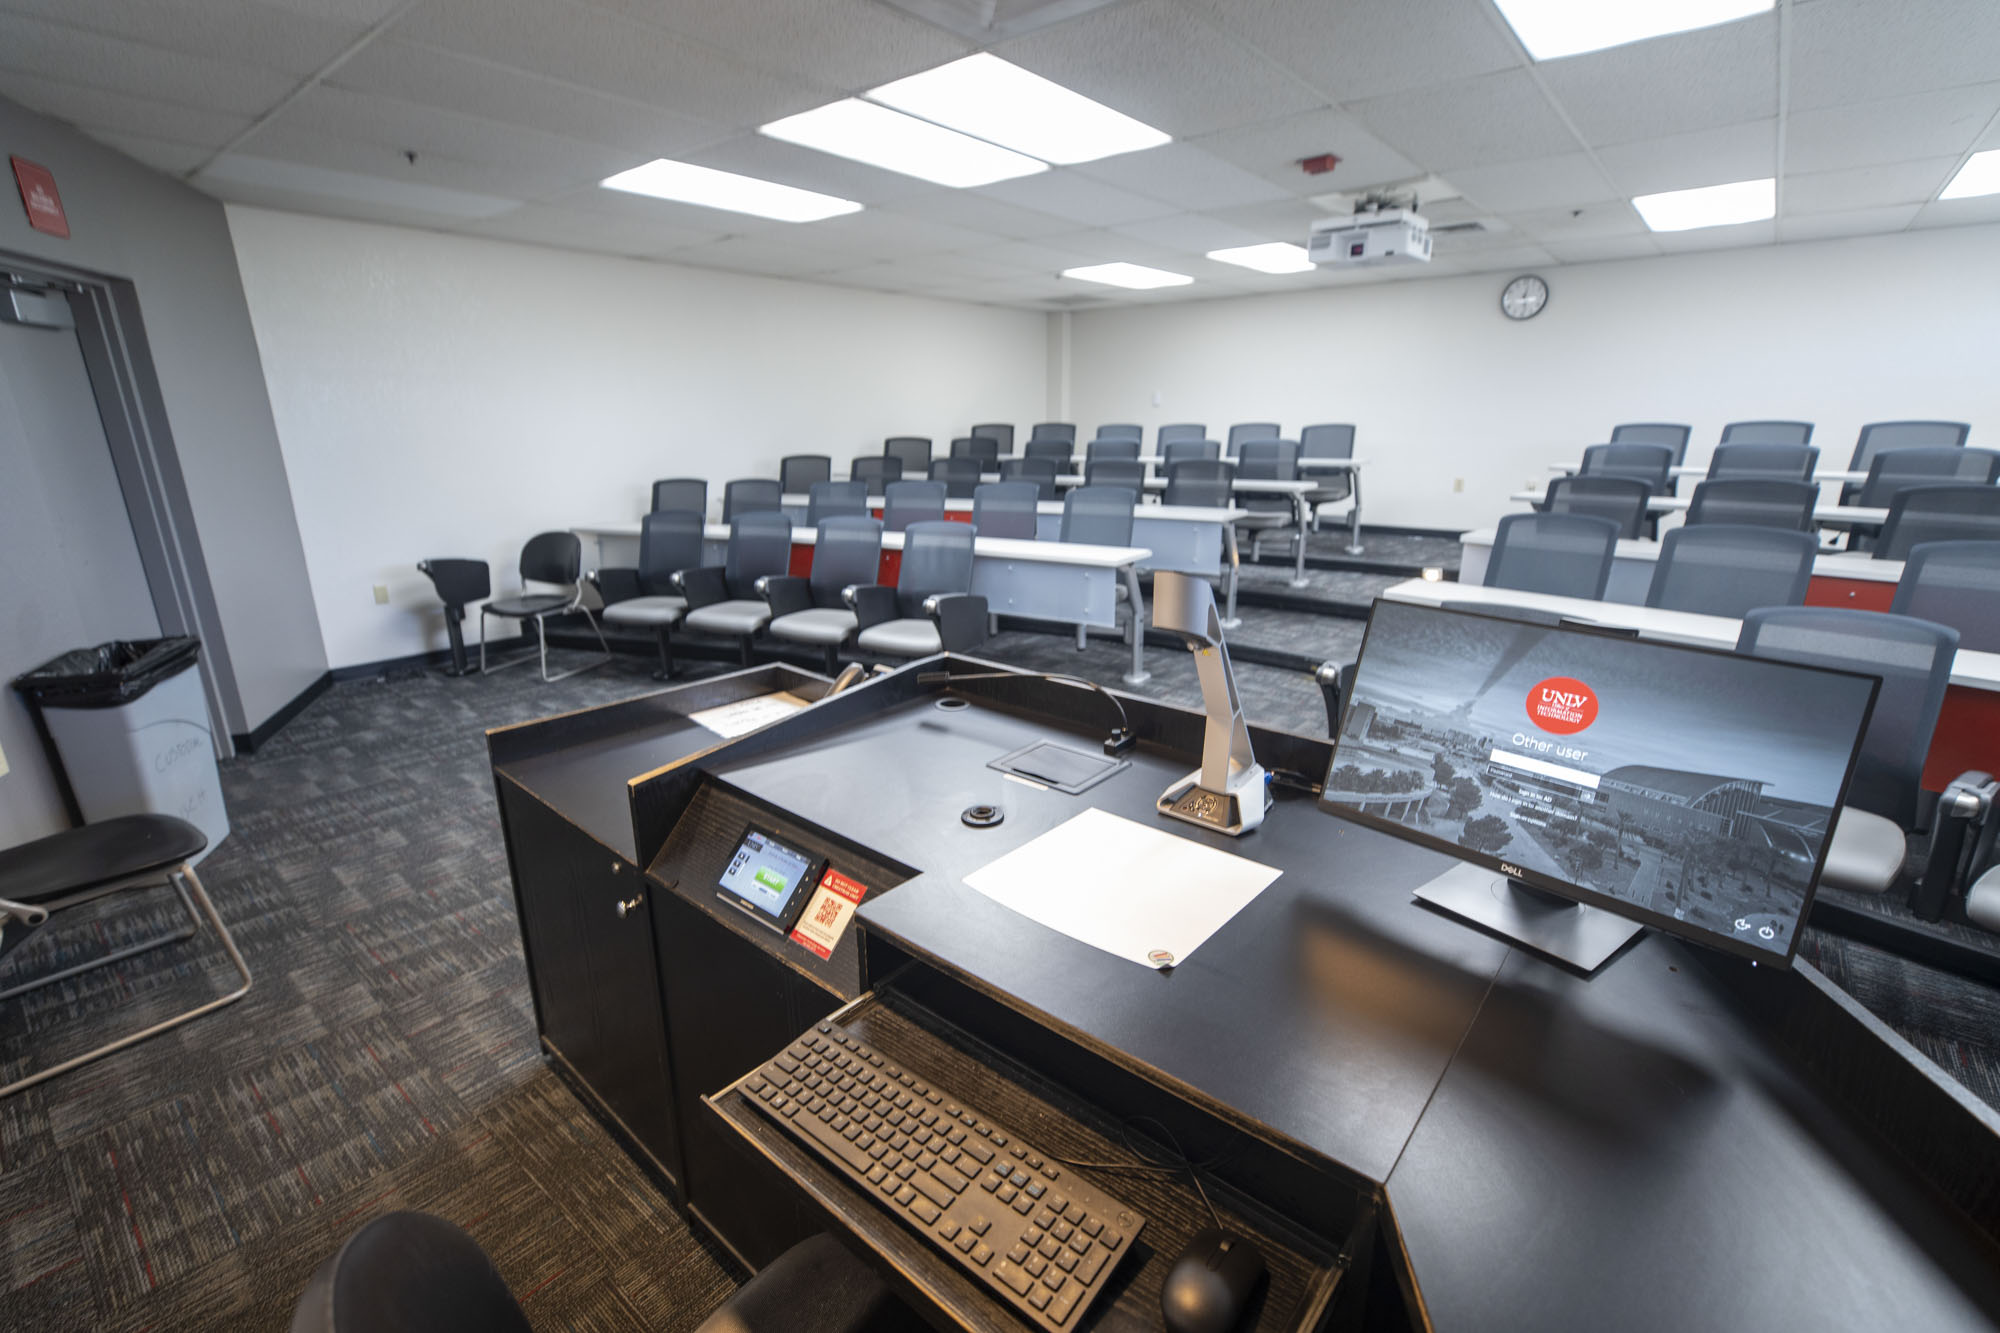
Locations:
(1684, 787)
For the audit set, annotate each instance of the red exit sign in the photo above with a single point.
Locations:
(39, 197)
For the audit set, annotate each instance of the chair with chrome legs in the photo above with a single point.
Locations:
(83, 865)
(554, 558)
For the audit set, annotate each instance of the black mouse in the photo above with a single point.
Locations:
(1211, 1284)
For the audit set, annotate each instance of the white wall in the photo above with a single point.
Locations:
(1441, 386)
(439, 395)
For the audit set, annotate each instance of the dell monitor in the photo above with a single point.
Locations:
(1592, 784)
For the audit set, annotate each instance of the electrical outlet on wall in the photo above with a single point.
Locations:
(381, 594)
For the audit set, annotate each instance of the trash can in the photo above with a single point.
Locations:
(128, 731)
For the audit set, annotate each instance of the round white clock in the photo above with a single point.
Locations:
(1524, 297)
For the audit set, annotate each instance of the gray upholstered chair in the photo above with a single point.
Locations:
(1671, 434)
(1007, 509)
(1767, 432)
(1564, 555)
(959, 475)
(1923, 514)
(1244, 431)
(723, 602)
(681, 493)
(751, 495)
(1000, 433)
(932, 608)
(1620, 499)
(875, 472)
(1041, 471)
(1728, 569)
(1201, 483)
(907, 502)
(1764, 502)
(644, 597)
(1766, 462)
(1956, 584)
(847, 553)
(832, 499)
(1184, 430)
(1267, 459)
(799, 473)
(912, 451)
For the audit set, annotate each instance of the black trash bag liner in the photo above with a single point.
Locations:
(107, 675)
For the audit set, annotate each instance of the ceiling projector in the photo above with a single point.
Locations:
(1371, 239)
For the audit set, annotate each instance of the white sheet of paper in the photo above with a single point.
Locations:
(1138, 892)
(746, 715)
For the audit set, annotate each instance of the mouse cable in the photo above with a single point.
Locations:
(1120, 740)
(1174, 1168)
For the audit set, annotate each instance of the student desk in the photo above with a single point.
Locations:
(1419, 1125)
(1308, 466)
(1295, 491)
(1824, 515)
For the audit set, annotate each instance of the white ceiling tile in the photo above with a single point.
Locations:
(755, 254)
(937, 269)
(847, 44)
(1959, 212)
(1493, 118)
(1363, 48)
(1155, 61)
(1671, 85)
(1038, 256)
(1684, 161)
(1566, 180)
(294, 144)
(1894, 129)
(1065, 194)
(958, 209)
(1108, 246)
(568, 228)
(174, 159)
(883, 235)
(1598, 249)
(102, 112)
(1273, 149)
(1990, 139)
(1866, 187)
(1858, 50)
(1718, 238)
(1514, 258)
(1195, 233)
(809, 169)
(1592, 221)
(71, 55)
(1183, 175)
(366, 13)
(324, 204)
(273, 36)
(1860, 222)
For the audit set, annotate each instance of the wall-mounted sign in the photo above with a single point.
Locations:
(39, 197)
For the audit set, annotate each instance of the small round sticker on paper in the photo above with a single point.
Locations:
(1160, 958)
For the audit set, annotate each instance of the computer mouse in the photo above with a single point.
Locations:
(1210, 1285)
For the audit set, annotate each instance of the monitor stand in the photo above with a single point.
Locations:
(1583, 937)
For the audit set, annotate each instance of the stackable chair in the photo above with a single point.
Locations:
(912, 451)
(1266, 459)
(1726, 569)
(1099, 516)
(1564, 555)
(681, 493)
(847, 552)
(999, 432)
(799, 473)
(1768, 432)
(459, 584)
(1184, 430)
(875, 472)
(1127, 472)
(1122, 430)
(1114, 446)
(1765, 502)
(80, 866)
(751, 495)
(932, 608)
(1244, 431)
(1913, 660)
(1007, 509)
(554, 558)
(1054, 430)
(723, 602)
(831, 499)
(1766, 462)
(1671, 434)
(982, 447)
(1041, 471)
(646, 596)
(1620, 499)
(959, 475)
(1955, 583)
(1921, 465)
(1175, 451)
(1328, 440)
(907, 502)
(1201, 483)
(1938, 514)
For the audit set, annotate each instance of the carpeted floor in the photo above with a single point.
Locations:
(386, 1057)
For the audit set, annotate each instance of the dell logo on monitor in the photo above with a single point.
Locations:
(1515, 871)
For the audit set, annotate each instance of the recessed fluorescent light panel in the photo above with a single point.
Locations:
(1553, 28)
(1276, 257)
(896, 142)
(1136, 276)
(685, 183)
(1709, 206)
(1002, 103)
(1980, 175)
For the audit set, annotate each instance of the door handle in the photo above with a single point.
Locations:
(632, 904)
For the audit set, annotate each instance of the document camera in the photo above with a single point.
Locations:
(1228, 792)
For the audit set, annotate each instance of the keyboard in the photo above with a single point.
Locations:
(1034, 1233)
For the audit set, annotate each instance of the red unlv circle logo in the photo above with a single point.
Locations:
(1562, 704)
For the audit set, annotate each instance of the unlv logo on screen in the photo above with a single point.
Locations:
(1562, 704)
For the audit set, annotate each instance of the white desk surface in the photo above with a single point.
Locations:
(1316, 464)
(1979, 671)
(1242, 486)
(1053, 509)
(1828, 565)
(1700, 471)
(1832, 515)
(992, 548)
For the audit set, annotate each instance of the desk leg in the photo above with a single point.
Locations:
(1354, 515)
(1230, 620)
(1303, 508)
(1138, 675)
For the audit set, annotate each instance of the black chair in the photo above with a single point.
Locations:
(799, 473)
(834, 499)
(1201, 483)
(724, 602)
(959, 475)
(1099, 516)
(1955, 583)
(1000, 432)
(1724, 569)
(410, 1272)
(1879, 437)
(553, 558)
(1939, 514)
(1565, 555)
(912, 451)
(1175, 451)
(1041, 471)
(1123, 430)
(1770, 462)
(1265, 459)
(1767, 432)
(1913, 660)
(1054, 430)
(459, 584)
(1007, 509)
(751, 495)
(645, 596)
(1671, 434)
(847, 552)
(875, 472)
(1760, 501)
(1185, 430)
(1620, 499)
(932, 608)
(1250, 430)
(982, 447)
(681, 493)
(1129, 472)
(1058, 452)
(1117, 446)
(907, 502)
(1329, 440)
(1916, 465)
(81, 866)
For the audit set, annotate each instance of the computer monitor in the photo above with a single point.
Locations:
(1684, 788)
